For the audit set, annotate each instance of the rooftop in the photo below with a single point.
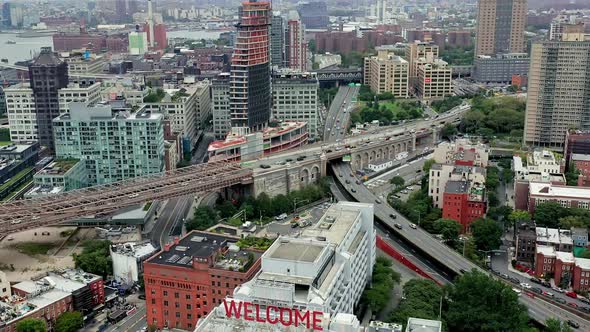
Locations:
(134, 249)
(583, 263)
(423, 325)
(566, 257)
(296, 252)
(219, 251)
(580, 157)
(549, 190)
(547, 251)
(553, 235)
(59, 167)
(233, 139)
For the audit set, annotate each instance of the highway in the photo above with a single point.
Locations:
(170, 218)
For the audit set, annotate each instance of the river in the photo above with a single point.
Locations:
(26, 48)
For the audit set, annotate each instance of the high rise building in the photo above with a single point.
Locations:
(250, 69)
(417, 50)
(277, 40)
(314, 15)
(500, 26)
(113, 147)
(220, 106)
(75, 92)
(296, 46)
(387, 72)
(22, 117)
(558, 92)
(295, 98)
(47, 75)
(434, 80)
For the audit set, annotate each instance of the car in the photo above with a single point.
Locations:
(537, 290)
(583, 300)
(264, 166)
(504, 276)
(300, 158)
(413, 226)
(133, 195)
(546, 293)
(393, 216)
(340, 175)
(560, 300)
(378, 201)
(294, 225)
(546, 283)
(557, 289)
(353, 190)
(398, 226)
(572, 295)
(572, 304)
(288, 160)
(341, 133)
(347, 181)
(535, 280)
(585, 309)
(525, 285)
(573, 324)
(358, 182)
(514, 280)
(15, 222)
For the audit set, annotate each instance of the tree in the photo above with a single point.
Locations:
(227, 209)
(31, 325)
(448, 228)
(69, 321)
(573, 221)
(571, 176)
(548, 214)
(486, 234)
(449, 130)
(499, 213)
(203, 218)
(428, 165)
(555, 325)
(397, 181)
(478, 302)
(384, 278)
(95, 258)
(519, 216)
(422, 298)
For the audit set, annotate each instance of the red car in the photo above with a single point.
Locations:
(573, 305)
(529, 294)
(572, 295)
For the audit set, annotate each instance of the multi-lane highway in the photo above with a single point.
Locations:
(336, 123)
(170, 220)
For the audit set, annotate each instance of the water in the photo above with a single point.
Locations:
(26, 48)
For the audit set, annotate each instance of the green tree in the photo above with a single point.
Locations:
(479, 303)
(203, 218)
(421, 300)
(31, 325)
(448, 130)
(555, 325)
(571, 176)
(378, 294)
(280, 204)
(573, 221)
(397, 181)
(428, 165)
(492, 178)
(486, 234)
(449, 229)
(312, 46)
(95, 258)
(499, 213)
(519, 216)
(548, 214)
(69, 321)
(227, 209)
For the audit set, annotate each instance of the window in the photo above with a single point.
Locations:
(165, 293)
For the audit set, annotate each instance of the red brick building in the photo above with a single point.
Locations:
(464, 202)
(581, 163)
(65, 42)
(191, 276)
(160, 41)
(581, 275)
(564, 265)
(544, 261)
(460, 38)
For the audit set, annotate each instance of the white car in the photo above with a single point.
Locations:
(525, 285)
(413, 226)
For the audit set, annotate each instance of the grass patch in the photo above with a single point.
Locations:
(4, 143)
(15, 178)
(147, 206)
(33, 248)
(16, 191)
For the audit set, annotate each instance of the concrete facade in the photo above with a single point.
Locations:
(500, 68)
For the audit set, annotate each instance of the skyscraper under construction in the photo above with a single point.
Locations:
(250, 94)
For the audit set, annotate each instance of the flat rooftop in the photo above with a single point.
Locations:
(58, 167)
(203, 245)
(558, 191)
(297, 252)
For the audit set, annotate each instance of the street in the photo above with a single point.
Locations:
(169, 220)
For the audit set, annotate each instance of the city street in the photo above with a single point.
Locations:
(170, 217)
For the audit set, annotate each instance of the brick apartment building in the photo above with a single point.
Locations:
(191, 276)
(566, 269)
(464, 201)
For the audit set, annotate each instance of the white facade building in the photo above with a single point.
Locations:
(325, 268)
(464, 150)
(127, 260)
(543, 161)
(295, 98)
(4, 285)
(74, 93)
(22, 118)
(440, 174)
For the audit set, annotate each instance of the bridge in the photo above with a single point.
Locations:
(105, 199)
(334, 76)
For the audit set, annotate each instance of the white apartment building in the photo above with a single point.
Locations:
(80, 64)
(440, 174)
(295, 98)
(325, 268)
(75, 93)
(127, 260)
(543, 161)
(4, 285)
(21, 111)
(220, 106)
(463, 150)
(387, 72)
(187, 106)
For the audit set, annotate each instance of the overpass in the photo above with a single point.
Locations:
(334, 76)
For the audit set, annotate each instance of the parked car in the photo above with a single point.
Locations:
(525, 285)
(572, 295)
(557, 289)
(560, 300)
(537, 290)
(535, 280)
(573, 324)
(546, 293)
(572, 304)
(347, 181)
(546, 283)
(514, 280)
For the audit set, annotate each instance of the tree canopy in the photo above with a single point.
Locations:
(548, 214)
(397, 181)
(449, 229)
(95, 258)
(499, 115)
(446, 104)
(69, 321)
(421, 300)
(479, 303)
(203, 218)
(519, 216)
(555, 325)
(383, 280)
(31, 325)
(487, 234)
